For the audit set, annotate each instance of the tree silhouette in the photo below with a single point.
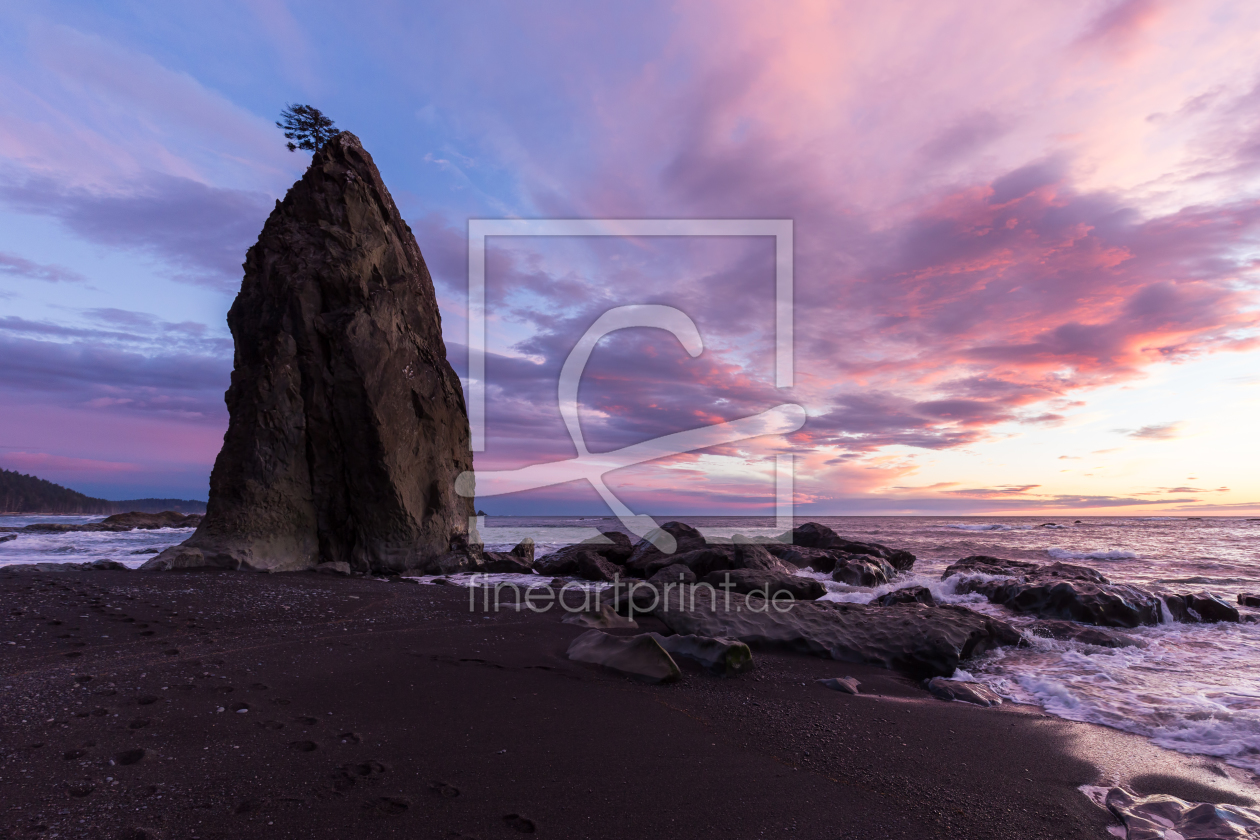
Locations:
(307, 126)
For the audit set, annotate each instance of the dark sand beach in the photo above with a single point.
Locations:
(222, 705)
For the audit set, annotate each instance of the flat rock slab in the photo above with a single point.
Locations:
(920, 640)
(1162, 817)
(641, 657)
(975, 693)
(845, 685)
(727, 657)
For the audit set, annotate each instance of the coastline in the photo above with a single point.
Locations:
(453, 722)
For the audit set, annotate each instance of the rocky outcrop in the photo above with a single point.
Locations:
(1201, 607)
(7, 537)
(909, 595)
(814, 535)
(963, 691)
(1057, 590)
(1069, 631)
(770, 583)
(612, 546)
(641, 657)
(916, 639)
(119, 522)
(1245, 600)
(347, 426)
(1081, 594)
(94, 566)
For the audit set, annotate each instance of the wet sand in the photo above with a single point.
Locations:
(375, 709)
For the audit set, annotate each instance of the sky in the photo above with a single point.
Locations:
(1025, 236)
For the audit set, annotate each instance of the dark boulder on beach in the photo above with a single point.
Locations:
(909, 595)
(613, 546)
(919, 640)
(1105, 605)
(862, 570)
(677, 573)
(7, 537)
(347, 426)
(1245, 600)
(815, 535)
(770, 583)
(520, 560)
(1057, 590)
(646, 559)
(1203, 607)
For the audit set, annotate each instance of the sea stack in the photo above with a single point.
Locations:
(347, 424)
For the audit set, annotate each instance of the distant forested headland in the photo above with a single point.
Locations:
(20, 493)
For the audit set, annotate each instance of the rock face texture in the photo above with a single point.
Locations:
(348, 426)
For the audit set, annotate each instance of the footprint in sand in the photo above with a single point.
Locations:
(303, 746)
(126, 758)
(307, 721)
(350, 738)
(444, 790)
(138, 723)
(71, 755)
(521, 824)
(271, 724)
(392, 805)
(146, 700)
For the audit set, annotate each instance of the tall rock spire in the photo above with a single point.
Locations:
(347, 424)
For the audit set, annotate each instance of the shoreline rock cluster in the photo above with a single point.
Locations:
(1063, 591)
(118, 522)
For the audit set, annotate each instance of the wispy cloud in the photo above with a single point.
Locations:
(1156, 431)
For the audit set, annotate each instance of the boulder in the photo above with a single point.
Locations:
(725, 657)
(909, 595)
(814, 535)
(8, 537)
(1248, 600)
(93, 566)
(963, 691)
(862, 570)
(505, 562)
(745, 581)
(818, 559)
(845, 685)
(920, 640)
(524, 551)
(985, 565)
(1105, 605)
(1203, 607)
(347, 427)
(613, 546)
(676, 573)
(646, 559)
(591, 566)
(641, 657)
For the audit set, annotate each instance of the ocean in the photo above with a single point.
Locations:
(1194, 688)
